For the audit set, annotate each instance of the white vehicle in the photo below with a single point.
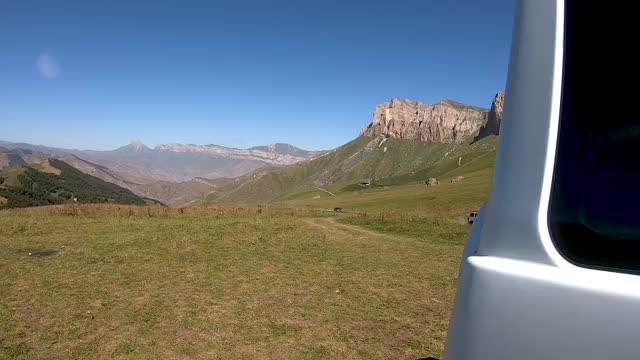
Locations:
(551, 268)
(472, 217)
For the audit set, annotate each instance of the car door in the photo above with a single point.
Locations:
(550, 269)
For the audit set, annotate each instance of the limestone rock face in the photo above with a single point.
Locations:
(492, 127)
(443, 122)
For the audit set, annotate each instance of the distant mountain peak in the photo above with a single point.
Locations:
(134, 146)
(137, 145)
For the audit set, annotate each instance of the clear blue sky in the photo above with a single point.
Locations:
(89, 74)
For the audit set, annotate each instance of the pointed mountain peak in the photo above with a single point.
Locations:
(134, 146)
(137, 145)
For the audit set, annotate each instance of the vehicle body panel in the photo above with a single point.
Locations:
(518, 298)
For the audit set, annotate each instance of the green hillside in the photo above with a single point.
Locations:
(444, 200)
(379, 161)
(56, 182)
(461, 160)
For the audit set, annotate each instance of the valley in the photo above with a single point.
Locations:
(174, 174)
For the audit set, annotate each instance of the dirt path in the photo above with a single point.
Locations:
(330, 225)
(327, 191)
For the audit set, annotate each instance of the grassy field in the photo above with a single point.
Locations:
(226, 282)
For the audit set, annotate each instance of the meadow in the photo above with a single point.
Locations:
(288, 280)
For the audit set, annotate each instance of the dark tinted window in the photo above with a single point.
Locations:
(596, 190)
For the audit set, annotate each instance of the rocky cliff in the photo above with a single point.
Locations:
(492, 127)
(443, 122)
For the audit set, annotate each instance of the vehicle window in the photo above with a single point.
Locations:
(597, 171)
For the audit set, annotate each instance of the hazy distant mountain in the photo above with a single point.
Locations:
(287, 149)
(135, 146)
(268, 154)
(39, 148)
(19, 157)
(174, 174)
(180, 162)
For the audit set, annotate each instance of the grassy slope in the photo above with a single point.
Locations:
(10, 176)
(407, 191)
(466, 196)
(384, 162)
(270, 184)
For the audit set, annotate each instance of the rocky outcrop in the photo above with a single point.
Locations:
(432, 182)
(443, 122)
(492, 127)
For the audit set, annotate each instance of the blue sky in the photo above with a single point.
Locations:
(94, 75)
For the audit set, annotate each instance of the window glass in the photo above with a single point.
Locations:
(596, 191)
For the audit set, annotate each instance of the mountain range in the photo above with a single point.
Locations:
(405, 141)
(180, 162)
(174, 174)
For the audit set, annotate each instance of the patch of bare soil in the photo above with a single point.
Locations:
(44, 253)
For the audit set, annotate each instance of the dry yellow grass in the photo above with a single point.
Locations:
(223, 282)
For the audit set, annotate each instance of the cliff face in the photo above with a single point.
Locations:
(443, 122)
(492, 127)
